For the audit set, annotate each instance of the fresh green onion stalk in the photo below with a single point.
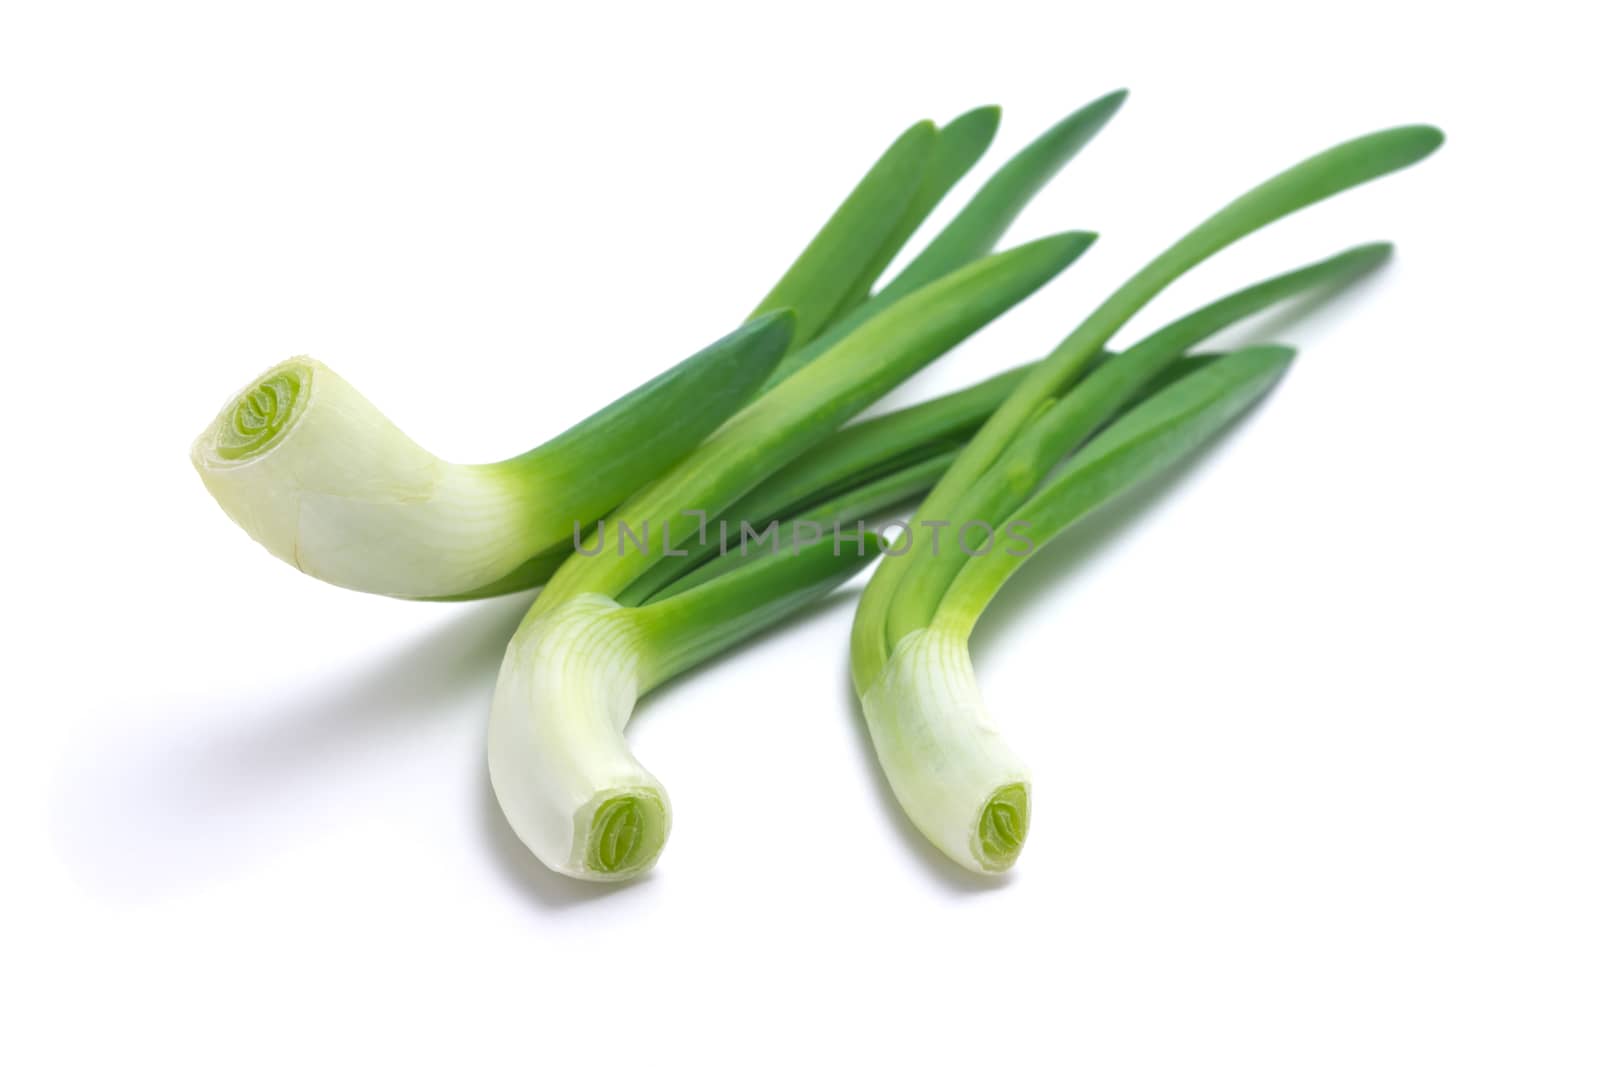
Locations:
(942, 752)
(957, 780)
(324, 481)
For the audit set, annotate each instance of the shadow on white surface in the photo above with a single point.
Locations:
(224, 781)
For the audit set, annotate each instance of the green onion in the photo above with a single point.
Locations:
(324, 481)
(944, 758)
(958, 781)
(558, 759)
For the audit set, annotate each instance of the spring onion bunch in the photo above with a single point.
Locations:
(958, 781)
(755, 433)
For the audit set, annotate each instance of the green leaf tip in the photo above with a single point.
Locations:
(1110, 103)
(1409, 144)
(1361, 159)
(1069, 135)
(1371, 255)
(779, 323)
(1069, 245)
(985, 118)
(1432, 136)
(1003, 827)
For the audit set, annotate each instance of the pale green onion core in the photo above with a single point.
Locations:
(625, 834)
(1003, 827)
(262, 412)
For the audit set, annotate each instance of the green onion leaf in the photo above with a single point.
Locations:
(959, 782)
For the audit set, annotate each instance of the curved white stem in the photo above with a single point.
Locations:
(954, 775)
(559, 763)
(324, 481)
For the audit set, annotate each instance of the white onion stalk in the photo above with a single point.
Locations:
(943, 756)
(559, 763)
(325, 482)
(564, 775)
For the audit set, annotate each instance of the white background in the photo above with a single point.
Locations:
(1313, 726)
